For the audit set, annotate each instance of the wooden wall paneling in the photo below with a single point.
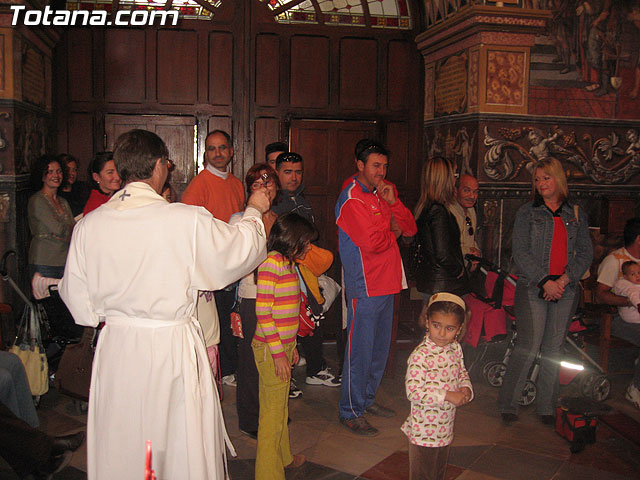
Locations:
(358, 73)
(309, 71)
(177, 60)
(398, 143)
(267, 130)
(399, 86)
(178, 135)
(124, 65)
(220, 68)
(80, 65)
(81, 131)
(60, 97)
(312, 141)
(267, 78)
(151, 64)
(116, 125)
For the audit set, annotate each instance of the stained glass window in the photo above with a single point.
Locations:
(187, 9)
(383, 13)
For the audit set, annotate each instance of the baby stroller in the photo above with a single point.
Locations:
(591, 383)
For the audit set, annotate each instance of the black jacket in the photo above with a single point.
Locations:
(294, 202)
(441, 259)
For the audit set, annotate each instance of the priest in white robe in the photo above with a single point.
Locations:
(137, 263)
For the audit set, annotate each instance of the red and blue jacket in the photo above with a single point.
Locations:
(368, 249)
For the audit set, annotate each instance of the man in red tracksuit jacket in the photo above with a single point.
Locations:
(373, 273)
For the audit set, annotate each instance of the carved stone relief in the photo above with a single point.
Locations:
(606, 160)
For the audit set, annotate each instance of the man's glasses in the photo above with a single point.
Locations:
(467, 220)
(170, 164)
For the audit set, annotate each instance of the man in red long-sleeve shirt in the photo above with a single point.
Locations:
(373, 273)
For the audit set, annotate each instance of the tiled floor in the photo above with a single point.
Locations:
(483, 447)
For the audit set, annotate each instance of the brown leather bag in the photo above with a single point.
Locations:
(74, 372)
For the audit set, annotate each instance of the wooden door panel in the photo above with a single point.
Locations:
(178, 133)
(327, 149)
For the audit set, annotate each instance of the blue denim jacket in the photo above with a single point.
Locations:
(532, 237)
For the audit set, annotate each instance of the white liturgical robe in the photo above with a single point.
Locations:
(137, 262)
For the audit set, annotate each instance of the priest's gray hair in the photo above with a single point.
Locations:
(136, 152)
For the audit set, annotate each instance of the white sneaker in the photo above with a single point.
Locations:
(229, 380)
(633, 395)
(301, 361)
(323, 377)
(294, 391)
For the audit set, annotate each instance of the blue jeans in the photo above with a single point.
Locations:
(542, 326)
(14, 389)
(631, 333)
(369, 325)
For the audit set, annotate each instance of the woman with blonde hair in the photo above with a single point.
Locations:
(552, 249)
(440, 262)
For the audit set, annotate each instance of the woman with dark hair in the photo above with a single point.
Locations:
(551, 249)
(105, 178)
(440, 263)
(247, 402)
(50, 221)
(73, 191)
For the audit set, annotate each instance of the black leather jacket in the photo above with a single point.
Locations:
(441, 259)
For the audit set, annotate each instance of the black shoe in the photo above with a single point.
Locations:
(547, 419)
(53, 465)
(250, 433)
(380, 411)
(68, 442)
(509, 418)
(359, 426)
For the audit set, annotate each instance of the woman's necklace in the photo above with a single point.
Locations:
(55, 203)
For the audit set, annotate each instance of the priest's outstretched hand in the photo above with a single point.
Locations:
(259, 200)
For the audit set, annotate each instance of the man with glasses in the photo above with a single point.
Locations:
(222, 194)
(464, 212)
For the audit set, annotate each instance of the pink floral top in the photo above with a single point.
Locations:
(431, 372)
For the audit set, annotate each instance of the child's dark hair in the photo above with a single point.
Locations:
(290, 234)
(446, 308)
(627, 265)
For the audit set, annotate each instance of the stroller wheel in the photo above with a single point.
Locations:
(528, 394)
(494, 373)
(596, 387)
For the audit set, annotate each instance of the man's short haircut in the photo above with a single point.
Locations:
(274, 147)
(136, 152)
(221, 132)
(627, 265)
(288, 157)
(631, 231)
(366, 147)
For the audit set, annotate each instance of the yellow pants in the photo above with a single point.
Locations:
(274, 451)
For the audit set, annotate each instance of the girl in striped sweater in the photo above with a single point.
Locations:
(274, 343)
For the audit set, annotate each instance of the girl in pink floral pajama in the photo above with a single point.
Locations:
(436, 383)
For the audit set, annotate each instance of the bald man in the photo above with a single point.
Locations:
(463, 209)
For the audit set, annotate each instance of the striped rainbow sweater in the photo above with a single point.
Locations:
(277, 303)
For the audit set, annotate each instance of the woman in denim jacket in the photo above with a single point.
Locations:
(552, 250)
